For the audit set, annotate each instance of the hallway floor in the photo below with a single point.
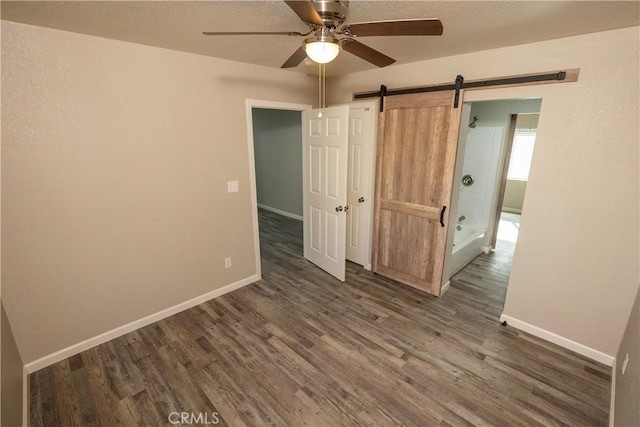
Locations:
(508, 227)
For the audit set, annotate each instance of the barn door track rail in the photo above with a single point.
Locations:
(567, 76)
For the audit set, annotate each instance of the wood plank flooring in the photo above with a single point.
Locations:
(300, 348)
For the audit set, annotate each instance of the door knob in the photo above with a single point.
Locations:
(339, 209)
(361, 200)
(346, 208)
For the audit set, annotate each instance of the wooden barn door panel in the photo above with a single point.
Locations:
(416, 159)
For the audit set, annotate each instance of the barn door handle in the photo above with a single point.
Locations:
(444, 208)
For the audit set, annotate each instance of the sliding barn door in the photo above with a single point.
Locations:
(417, 141)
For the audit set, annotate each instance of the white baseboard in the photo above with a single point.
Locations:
(280, 212)
(137, 324)
(582, 349)
(445, 287)
(612, 402)
(512, 210)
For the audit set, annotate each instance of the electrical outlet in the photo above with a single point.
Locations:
(624, 363)
(232, 187)
(227, 262)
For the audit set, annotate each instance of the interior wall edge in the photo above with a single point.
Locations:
(12, 384)
(74, 349)
(591, 353)
(625, 384)
(25, 397)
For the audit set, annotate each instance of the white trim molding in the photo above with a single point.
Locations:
(74, 349)
(574, 346)
(250, 104)
(445, 287)
(612, 401)
(280, 212)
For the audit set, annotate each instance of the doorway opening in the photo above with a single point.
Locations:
(277, 168)
(274, 120)
(495, 150)
(277, 143)
(517, 165)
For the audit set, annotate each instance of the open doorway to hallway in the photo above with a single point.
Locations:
(277, 145)
(278, 162)
(275, 159)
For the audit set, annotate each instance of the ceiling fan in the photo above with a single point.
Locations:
(328, 32)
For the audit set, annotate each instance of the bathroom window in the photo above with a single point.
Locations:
(521, 154)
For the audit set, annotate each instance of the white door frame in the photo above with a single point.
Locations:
(277, 105)
(274, 105)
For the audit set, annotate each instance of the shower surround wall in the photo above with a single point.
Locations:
(481, 160)
(481, 156)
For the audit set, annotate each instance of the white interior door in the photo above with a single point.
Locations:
(361, 128)
(325, 141)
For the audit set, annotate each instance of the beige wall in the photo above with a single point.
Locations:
(114, 170)
(627, 385)
(514, 196)
(575, 271)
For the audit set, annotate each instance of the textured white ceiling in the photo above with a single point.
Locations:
(468, 25)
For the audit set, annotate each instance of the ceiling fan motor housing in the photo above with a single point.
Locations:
(322, 34)
(332, 12)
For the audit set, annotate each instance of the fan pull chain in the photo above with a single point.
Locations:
(324, 86)
(319, 90)
(322, 89)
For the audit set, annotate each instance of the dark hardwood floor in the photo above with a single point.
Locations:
(300, 348)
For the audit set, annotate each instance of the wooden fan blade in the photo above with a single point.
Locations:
(305, 10)
(404, 27)
(367, 53)
(295, 59)
(245, 33)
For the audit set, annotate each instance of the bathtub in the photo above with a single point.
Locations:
(468, 243)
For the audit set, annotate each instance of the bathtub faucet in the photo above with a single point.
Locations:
(462, 218)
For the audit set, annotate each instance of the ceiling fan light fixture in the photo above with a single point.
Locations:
(322, 51)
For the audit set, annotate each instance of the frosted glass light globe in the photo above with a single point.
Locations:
(322, 52)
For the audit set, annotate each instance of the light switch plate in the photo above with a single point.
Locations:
(232, 187)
